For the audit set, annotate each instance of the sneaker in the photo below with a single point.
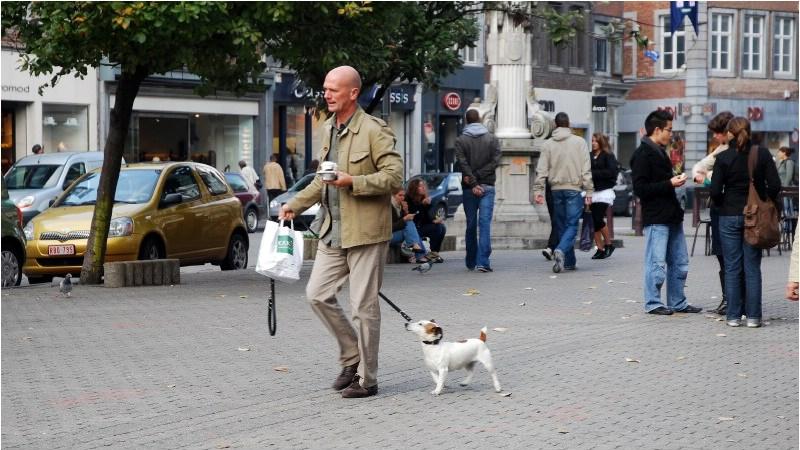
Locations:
(346, 377)
(609, 250)
(601, 254)
(548, 254)
(734, 323)
(661, 311)
(484, 269)
(355, 390)
(558, 255)
(753, 323)
(406, 251)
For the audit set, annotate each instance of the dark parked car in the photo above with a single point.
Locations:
(252, 209)
(13, 244)
(304, 220)
(624, 202)
(445, 191)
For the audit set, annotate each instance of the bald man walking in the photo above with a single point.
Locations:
(355, 230)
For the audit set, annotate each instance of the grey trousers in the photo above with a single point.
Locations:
(363, 265)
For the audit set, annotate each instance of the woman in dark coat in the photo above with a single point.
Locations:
(604, 175)
(419, 203)
(730, 183)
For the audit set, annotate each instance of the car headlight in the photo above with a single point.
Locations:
(28, 231)
(274, 204)
(121, 226)
(25, 202)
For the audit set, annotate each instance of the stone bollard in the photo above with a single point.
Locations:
(114, 275)
(142, 273)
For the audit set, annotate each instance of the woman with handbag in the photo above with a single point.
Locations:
(735, 170)
(604, 175)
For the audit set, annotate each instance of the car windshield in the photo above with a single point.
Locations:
(432, 180)
(133, 186)
(302, 183)
(33, 177)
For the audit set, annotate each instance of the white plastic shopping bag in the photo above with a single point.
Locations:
(280, 256)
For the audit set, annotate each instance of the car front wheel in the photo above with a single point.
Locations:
(12, 269)
(251, 220)
(237, 254)
(151, 249)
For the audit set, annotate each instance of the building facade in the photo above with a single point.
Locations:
(743, 59)
(62, 118)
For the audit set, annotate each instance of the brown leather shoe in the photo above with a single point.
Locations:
(346, 377)
(355, 390)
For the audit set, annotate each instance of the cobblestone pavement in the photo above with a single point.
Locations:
(193, 366)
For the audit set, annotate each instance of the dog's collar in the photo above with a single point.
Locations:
(434, 342)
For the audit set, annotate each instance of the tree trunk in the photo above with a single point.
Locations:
(127, 89)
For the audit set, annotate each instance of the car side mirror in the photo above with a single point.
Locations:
(453, 189)
(170, 199)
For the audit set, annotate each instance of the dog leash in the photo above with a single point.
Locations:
(272, 313)
(405, 316)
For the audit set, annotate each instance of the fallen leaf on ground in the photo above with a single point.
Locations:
(224, 446)
(222, 295)
(710, 316)
(721, 334)
(553, 276)
(472, 291)
(242, 296)
(563, 431)
(743, 375)
(170, 385)
(281, 369)
(781, 417)
(587, 303)
(244, 349)
(631, 360)
(725, 419)
(679, 358)
(631, 301)
(713, 297)
(522, 304)
(626, 317)
(610, 281)
(505, 394)
(528, 288)
(500, 329)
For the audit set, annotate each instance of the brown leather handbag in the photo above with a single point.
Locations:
(761, 224)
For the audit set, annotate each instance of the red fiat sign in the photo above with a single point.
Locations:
(452, 101)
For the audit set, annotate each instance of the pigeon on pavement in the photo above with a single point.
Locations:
(424, 267)
(66, 285)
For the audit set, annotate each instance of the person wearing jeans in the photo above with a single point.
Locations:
(428, 225)
(654, 182)
(478, 237)
(564, 164)
(477, 154)
(730, 187)
(667, 261)
(568, 209)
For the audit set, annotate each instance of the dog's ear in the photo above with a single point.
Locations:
(433, 320)
(437, 330)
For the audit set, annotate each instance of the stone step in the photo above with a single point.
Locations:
(156, 272)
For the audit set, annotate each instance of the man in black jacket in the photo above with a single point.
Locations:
(478, 154)
(654, 182)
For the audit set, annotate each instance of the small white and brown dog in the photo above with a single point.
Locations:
(442, 357)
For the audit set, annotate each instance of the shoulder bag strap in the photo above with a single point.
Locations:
(751, 162)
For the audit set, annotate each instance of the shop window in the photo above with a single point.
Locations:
(221, 141)
(65, 127)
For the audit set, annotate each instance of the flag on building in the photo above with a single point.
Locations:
(679, 10)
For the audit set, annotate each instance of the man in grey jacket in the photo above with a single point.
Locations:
(478, 155)
(565, 164)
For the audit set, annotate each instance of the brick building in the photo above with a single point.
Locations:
(743, 59)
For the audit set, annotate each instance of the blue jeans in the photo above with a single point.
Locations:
(435, 232)
(665, 259)
(567, 211)
(740, 256)
(409, 236)
(479, 219)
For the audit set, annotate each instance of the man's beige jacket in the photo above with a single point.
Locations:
(365, 151)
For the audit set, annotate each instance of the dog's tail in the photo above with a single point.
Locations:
(483, 334)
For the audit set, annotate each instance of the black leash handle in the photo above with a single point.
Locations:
(405, 316)
(272, 314)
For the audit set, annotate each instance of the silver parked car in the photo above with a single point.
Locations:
(35, 180)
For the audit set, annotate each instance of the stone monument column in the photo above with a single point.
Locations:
(508, 106)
